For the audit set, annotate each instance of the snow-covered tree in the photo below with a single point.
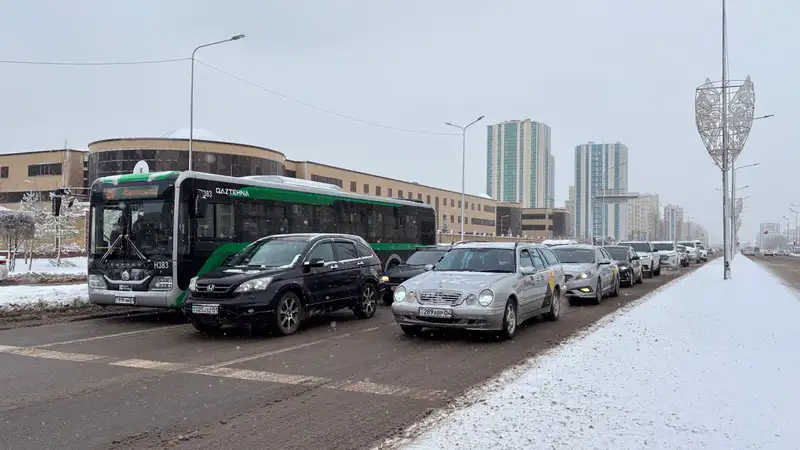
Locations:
(16, 228)
(62, 226)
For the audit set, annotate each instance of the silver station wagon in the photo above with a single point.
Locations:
(482, 286)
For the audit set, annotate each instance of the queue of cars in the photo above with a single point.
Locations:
(279, 281)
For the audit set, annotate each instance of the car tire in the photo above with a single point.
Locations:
(640, 280)
(632, 277)
(367, 302)
(411, 330)
(658, 271)
(509, 320)
(388, 298)
(598, 292)
(208, 328)
(555, 307)
(288, 315)
(615, 292)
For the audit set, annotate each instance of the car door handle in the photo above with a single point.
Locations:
(334, 266)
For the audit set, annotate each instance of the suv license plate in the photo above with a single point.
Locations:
(125, 300)
(205, 309)
(435, 312)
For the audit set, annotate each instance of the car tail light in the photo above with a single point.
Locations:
(2, 262)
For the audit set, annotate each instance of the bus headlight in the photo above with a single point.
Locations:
(259, 284)
(161, 283)
(96, 282)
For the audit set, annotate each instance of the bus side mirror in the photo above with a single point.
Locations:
(200, 206)
(56, 203)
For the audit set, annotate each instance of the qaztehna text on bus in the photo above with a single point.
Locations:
(150, 233)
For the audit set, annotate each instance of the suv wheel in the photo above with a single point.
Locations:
(288, 312)
(658, 271)
(367, 302)
(615, 292)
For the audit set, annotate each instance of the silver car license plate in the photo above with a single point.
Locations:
(205, 309)
(435, 312)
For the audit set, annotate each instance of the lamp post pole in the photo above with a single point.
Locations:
(191, 91)
(463, 164)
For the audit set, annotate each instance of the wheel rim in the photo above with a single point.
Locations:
(511, 319)
(556, 303)
(368, 299)
(288, 314)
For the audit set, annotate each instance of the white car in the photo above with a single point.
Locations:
(648, 255)
(769, 252)
(692, 251)
(667, 253)
(703, 252)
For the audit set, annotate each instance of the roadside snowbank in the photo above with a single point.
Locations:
(51, 295)
(44, 266)
(705, 363)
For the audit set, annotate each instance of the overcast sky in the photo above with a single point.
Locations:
(616, 70)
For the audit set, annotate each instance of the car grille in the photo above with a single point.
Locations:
(568, 277)
(664, 257)
(219, 290)
(439, 297)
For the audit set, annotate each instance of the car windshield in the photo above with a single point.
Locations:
(643, 247)
(701, 246)
(425, 257)
(680, 248)
(687, 244)
(477, 260)
(618, 253)
(147, 224)
(269, 253)
(664, 246)
(574, 255)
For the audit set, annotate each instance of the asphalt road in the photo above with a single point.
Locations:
(787, 268)
(152, 381)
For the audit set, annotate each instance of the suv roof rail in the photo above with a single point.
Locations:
(463, 242)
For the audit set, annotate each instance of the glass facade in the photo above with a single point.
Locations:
(115, 162)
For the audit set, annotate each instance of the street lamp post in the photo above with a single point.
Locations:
(501, 225)
(191, 91)
(796, 223)
(463, 164)
(733, 201)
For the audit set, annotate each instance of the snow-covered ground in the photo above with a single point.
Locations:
(703, 363)
(44, 266)
(51, 294)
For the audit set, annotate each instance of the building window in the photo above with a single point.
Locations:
(4, 172)
(390, 192)
(400, 193)
(452, 203)
(326, 180)
(452, 218)
(40, 170)
(472, 206)
(459, 204)
(353, 186)
(378, 191)
(366, 188)
(534, 227)
(534, 216)
(410, 195)
(428, 200)
(489, 209)
(419, 197)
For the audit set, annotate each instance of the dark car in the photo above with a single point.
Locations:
(628, 262)
(415, 265)
(278, 281)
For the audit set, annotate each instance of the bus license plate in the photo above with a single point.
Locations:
(125, 300)
(205, 309)
(436, 312)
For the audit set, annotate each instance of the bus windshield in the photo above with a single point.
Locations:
(146, 223)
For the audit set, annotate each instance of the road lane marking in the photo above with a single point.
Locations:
(364, 387)
(288, 349)
(107, 336)
(49, 354)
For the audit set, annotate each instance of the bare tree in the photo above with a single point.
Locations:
(16, 228)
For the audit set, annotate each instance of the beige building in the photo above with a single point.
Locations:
(544, 222)
(643, 217)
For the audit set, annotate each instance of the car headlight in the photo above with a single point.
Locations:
(486, 297)
(622, 266)
(584, 275)
(384, 279)
(399, 294)
(97, 282)
(193, 284)
(259, 284)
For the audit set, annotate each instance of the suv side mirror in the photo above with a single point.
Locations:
(314, 262)
(604, 262)
(428, 267)
(527, 270)
(635, 258)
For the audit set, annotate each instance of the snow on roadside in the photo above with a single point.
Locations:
(42, 265)
(700, 364)
(52, 295)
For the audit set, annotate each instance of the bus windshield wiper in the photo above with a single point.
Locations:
(118, 243)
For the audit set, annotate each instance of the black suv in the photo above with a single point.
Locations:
(277, 281)
(415, 265)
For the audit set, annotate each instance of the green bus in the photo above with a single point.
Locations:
(150, 233)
